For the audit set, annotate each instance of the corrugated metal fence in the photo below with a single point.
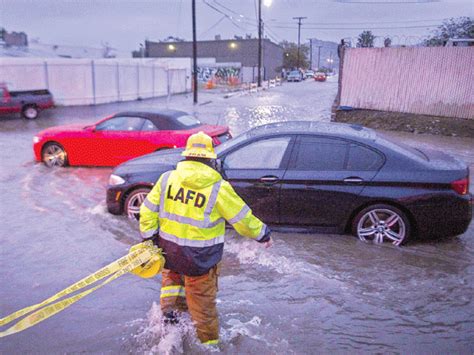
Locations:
(434, 81)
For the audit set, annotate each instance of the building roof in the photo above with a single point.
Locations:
(214, 41)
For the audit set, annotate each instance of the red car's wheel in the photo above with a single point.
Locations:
(53, 154)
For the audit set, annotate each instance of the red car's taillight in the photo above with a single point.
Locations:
(461, 186)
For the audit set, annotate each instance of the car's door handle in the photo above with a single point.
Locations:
(353, 180)
(269, 179)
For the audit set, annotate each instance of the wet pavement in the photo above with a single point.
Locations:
(310, 293)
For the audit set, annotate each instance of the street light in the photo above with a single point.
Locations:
(171, 47)
(330, 61)
(267, 3)
(233, 45)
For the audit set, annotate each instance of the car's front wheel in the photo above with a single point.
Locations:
(382, 223)
(133, 202)
(53, 154)
(30, 112)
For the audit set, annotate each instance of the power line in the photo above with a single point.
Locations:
(226, 15)
(226, 8)
(250, 22)
(212, 27)
(358, 28)
(386, 2)
(272, 34)
(360, 23)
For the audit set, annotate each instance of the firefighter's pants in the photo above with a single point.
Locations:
(197, 294)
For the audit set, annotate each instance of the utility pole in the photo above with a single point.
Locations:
(299, 18)
(319, 56)
(311, 53)
(195, 89)
(259, 79)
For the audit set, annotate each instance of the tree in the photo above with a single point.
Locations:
(172, 39)
(387, 42)
(455, 27)
(365, 39)
(290, 55)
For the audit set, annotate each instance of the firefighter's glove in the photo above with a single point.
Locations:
(155, 239)
(267, 239)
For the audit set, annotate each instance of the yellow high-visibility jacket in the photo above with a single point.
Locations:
(188, 208)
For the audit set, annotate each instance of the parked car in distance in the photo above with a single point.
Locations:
(309, 74)
(28, 103)
(327, 177)
(294, 75)
(120, 137)
(320, 76)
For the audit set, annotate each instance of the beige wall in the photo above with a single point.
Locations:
(422, 80)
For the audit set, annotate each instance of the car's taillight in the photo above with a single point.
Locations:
(461, 186)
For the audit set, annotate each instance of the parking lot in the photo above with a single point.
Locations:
(310, 293)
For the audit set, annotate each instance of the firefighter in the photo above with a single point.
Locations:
(185, 214)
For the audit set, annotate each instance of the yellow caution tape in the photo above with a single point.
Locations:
(138, 255)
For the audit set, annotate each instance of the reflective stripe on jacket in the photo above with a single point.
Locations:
(188, 207)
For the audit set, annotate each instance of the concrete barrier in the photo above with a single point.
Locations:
(253, 87)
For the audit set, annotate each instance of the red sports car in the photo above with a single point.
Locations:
(120, 137)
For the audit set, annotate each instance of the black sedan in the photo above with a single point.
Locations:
(333, 178)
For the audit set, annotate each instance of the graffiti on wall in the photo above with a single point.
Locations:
(221, 75)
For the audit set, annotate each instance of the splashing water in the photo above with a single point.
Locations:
(155, 337)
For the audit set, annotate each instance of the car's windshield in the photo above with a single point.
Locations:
(188, 121)
(295, 72)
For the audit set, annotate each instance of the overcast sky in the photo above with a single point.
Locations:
(126, 23)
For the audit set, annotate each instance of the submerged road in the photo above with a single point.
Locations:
(310, 293)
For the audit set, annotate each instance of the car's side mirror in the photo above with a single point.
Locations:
(219, 166)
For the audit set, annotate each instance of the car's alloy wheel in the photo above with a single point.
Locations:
(133, 202)
(30, 112)
(382, 223)
(54, 155)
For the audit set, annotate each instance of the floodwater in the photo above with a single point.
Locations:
(309, 293)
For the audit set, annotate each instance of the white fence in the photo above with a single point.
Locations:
(86, 82)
